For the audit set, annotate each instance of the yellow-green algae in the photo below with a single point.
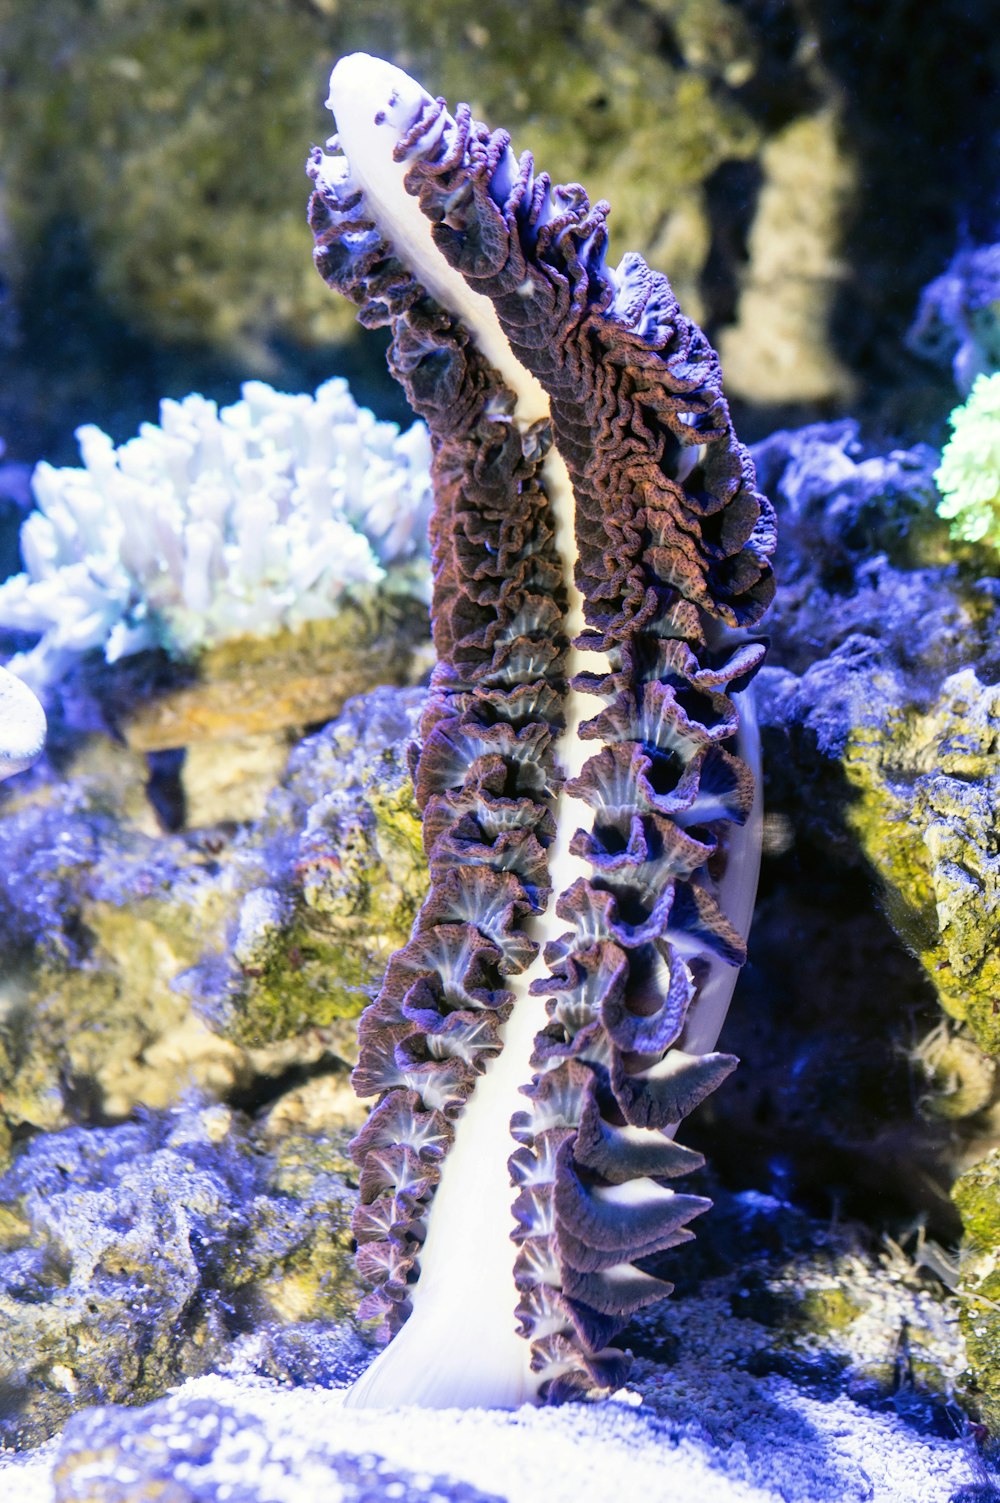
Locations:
(927, 792)
(315, 1281)
(977, 1195)
(358, 903)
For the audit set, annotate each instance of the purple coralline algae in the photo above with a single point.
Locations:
(598, 537)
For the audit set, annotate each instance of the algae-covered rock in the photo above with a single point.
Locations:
(155, 202)
(343, 877)
(886, 647)
(139, 964)
(977, 1196)
(173, 136)
(928, 819)
(133, 1256)
(835, 1095)
(252, 685)
(796, 269)
(864, 1019)
(97, 917)
(909, 783)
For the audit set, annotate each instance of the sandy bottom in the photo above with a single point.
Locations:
(759, 1441)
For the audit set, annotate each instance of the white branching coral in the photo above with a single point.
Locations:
(218, 524)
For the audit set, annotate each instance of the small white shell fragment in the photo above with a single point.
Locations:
(22, 726)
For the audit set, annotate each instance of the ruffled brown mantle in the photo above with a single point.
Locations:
(673, 545)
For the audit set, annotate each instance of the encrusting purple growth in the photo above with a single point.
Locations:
(586, 767)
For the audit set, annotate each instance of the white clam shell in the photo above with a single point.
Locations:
(22, 726)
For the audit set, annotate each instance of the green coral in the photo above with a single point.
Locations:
(969, 474)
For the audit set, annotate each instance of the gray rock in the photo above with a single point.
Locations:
(958, 320)
(140, 963)
(876, 862)
(134, 1256)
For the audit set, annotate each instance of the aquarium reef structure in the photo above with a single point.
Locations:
(278, 839)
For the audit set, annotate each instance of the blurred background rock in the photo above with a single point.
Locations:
(800, 168)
